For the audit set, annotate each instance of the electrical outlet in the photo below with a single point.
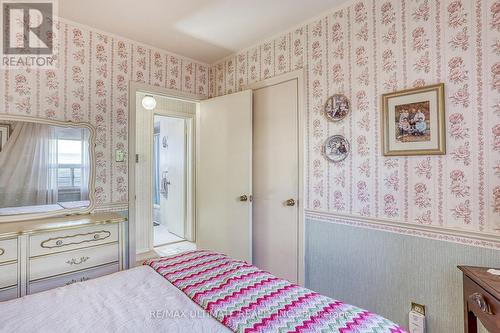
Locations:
(417, 318)
(419, 308)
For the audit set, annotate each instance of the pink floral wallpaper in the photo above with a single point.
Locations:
(90, 84)
(372, 47)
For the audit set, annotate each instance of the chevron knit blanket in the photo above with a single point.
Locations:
(246, 299)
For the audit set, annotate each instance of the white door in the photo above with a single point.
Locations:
(143, 179)
(173, 169)
(276, 179)
(224, 179)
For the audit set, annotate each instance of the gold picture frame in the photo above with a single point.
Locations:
(413, 122)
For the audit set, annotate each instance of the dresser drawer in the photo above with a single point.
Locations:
(8, 294)
(8, 275)
(65, 280)
(8, 250)
(72, 239)
(66, 262)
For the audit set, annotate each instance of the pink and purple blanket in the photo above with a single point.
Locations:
(246, 299)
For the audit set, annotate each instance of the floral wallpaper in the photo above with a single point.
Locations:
(90, 84)
(363, 50)
(372, 47)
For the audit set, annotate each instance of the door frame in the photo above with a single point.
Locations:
(189, 133)
(299, 76)
(134, 88)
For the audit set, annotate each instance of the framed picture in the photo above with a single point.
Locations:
(336, 148)
(337, 107)
(4, 135)
(413, 122)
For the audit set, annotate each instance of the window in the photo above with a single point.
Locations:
(69, 163)
(70, 166)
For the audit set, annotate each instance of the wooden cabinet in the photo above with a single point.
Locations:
(39, 255)
(481, 291)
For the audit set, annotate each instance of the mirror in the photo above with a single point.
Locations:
(46, 168)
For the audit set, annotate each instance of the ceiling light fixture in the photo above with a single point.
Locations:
(149, 102)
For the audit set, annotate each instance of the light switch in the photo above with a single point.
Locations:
(120, 155)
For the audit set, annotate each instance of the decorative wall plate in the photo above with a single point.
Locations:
(337, 107)
(336, 148)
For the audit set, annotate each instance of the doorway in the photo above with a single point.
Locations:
(220, 136)
(169, 180)
(164, 165)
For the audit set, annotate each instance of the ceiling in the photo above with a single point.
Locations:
(204, 30)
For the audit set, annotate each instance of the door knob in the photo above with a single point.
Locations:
(290, 202)
(243, 197)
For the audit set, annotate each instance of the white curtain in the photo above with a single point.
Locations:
(84, 188)
(28, 161)
(51, 156)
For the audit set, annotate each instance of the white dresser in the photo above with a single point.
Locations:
(39, 255)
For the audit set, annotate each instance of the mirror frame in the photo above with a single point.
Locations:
(92, 144)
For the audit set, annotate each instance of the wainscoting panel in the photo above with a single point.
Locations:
(383, 272)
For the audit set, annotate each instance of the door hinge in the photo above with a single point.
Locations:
(136, 158)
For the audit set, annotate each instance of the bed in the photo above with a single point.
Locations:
(195, 291)
(135, 300)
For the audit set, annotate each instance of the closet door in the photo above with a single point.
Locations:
(276, 179)
(224, 175)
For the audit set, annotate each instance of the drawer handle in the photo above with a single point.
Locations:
(481, 303)
(77, 261)
(75, 281)
(56, 242)
(2, 251)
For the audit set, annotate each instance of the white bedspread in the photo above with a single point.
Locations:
(136, 300)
